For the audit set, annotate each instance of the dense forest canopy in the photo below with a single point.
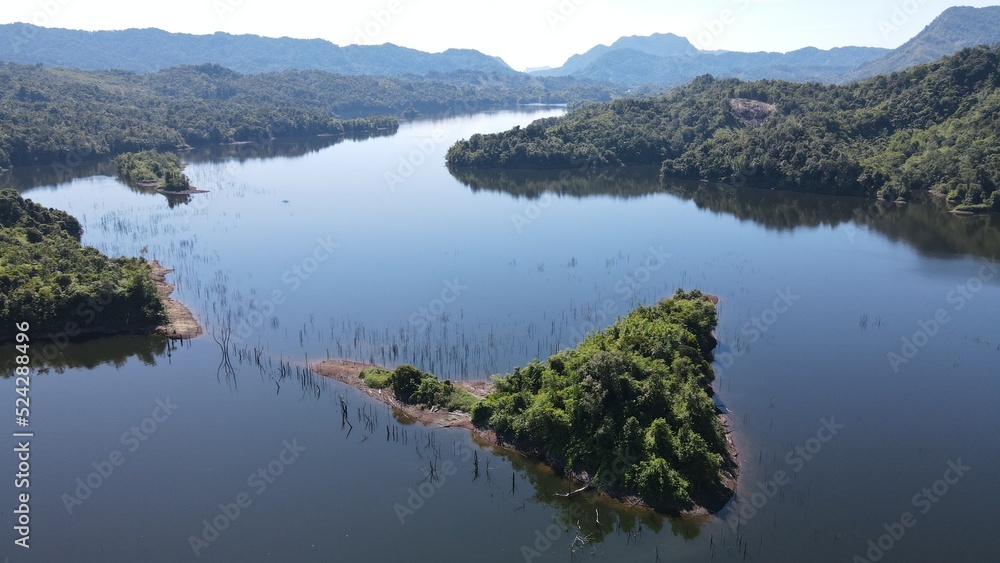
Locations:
(50, 115)
(934, 127)
(153, 169)
(630, 406)
(63, 289)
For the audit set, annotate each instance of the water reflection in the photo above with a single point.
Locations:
(925, 225)
(263, 149)
(628, 182)
(58, 356)
(25, 178)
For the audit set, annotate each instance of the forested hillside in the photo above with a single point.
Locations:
(63, 289)
(47, 115)
(52, 115)
(935, 127)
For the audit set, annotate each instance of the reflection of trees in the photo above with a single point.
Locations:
(627, 182)
(591, 514)
(772, 209)
(926, 226)
(262, 149)
(114, 351)
(24, 178)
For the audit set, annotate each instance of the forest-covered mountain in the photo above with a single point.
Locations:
(47, 114)
(666, 59)
(150, 50)
(955, 29)
(936, 126)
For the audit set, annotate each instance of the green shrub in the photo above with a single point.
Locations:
(631, 404)
(376, 378)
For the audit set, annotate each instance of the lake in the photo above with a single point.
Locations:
(858, 362)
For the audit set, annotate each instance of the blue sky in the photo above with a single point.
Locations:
(525, 33)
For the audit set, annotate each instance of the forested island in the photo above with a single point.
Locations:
(934, 127)
(63, 289)
(629, 411)
(153, 169)
(58, 115)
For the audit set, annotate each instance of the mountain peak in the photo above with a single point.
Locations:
(954, 29)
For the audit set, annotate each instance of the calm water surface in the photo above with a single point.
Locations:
(372, 250)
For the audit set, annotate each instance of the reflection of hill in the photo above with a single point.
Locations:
(925, 226)
(274, 148)
(24, 178)
(772, 209)
(89, 355)
(593, 515)
(627, 182)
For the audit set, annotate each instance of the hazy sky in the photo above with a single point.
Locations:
(523, 32)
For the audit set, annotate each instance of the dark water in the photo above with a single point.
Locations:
(372, 250)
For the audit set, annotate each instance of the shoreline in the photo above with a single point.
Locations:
(710, 502)
(181, 324)
(346, 371)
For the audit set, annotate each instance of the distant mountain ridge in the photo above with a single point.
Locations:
(955, 29)
(657, 45)
(150, 50)
(654, 61)
(667, 59)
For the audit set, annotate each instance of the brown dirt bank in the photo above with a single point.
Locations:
(709, 502)
(347, 372)
(181, 324)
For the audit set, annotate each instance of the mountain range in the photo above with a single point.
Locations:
(150, 50)
(654, 61)
(667, 59)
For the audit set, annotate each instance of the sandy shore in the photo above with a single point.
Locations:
(347, 372)
(181, 324)
(709, 502)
